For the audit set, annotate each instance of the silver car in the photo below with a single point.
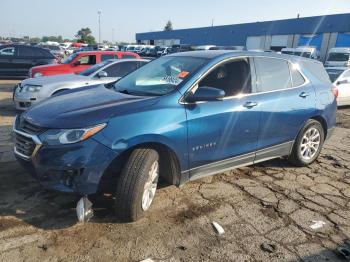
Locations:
(33, 90)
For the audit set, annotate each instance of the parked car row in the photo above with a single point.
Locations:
(34, 90)
(177, 118)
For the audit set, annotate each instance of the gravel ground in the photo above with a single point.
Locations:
(266, 211)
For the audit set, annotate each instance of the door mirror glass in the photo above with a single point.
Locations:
(206, 93)
(102, 74)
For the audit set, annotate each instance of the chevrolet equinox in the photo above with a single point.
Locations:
(179, 118)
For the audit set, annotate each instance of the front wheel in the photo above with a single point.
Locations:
(137, 185)
(308, 145)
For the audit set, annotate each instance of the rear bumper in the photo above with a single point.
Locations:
(75, 168)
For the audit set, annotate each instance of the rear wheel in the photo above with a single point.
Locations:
(308, 144)
(137, 185)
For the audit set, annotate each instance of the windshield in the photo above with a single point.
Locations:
(94, 68)
(287, 52)
(70, 58)
(339, 57)
(334, 74)
(160, 76)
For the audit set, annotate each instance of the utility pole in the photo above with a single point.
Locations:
(113, 35)
(99, 27)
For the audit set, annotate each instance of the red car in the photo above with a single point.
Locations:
(78, 62)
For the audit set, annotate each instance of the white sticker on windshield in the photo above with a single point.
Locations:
(172, 80)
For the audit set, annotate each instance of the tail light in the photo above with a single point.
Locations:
(335, 91)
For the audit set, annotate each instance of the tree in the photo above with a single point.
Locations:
(168, 26)
(84, 36)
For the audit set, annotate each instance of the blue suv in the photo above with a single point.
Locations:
(181, 117)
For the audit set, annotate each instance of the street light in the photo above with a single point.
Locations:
(99, 27)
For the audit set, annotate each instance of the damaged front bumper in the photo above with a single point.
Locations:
(75, 168)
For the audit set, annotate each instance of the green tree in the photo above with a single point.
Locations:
(168, 26)
(84, 35)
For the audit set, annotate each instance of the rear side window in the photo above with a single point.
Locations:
(121, 69)
(272, 74)
(106, 57)
(297, 77)
(26, 51)
(128, 56)
(317, 70)
(347, 73)
(40, 52)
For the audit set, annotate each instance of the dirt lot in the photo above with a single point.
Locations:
(266, 211)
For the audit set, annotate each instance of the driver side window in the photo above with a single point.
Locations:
(232, 77)
(87, 60)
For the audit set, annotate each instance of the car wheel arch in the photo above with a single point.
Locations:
(170, 171)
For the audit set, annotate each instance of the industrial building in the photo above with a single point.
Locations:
(323, 32)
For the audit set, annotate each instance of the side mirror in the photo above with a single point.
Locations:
(102, 74)
(344, 81)
(205, 93)
(76, 63)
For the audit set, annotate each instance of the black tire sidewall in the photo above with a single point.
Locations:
(134, 175)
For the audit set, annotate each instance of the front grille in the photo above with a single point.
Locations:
(27, 127)
(24, 145)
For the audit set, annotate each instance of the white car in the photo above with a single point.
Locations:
(304, 51)
(33, 90)
(338, 57)
(340, 76)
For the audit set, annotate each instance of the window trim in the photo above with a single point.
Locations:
(194, 86)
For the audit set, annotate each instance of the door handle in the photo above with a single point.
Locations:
(304, 95)
(250, 104)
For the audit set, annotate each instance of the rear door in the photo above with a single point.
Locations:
(26, 59)
(7, 56)
(287, 101)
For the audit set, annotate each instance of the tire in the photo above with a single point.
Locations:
(308, 145)
(137, 175)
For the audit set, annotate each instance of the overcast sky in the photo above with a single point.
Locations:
(125, 18)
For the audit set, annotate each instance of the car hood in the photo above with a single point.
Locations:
(91, 106)
(44, 80)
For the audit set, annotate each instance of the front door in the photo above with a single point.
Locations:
(222, 134)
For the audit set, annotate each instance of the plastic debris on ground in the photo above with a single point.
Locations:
(84, 210)
(147, 260)
(317, 224)
(218, 228)
(270, 248)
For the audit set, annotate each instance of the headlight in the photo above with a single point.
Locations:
(38, 74)
(29, 88)
(69, 136)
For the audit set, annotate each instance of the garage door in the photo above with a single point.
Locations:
(311, 40)
(254, 42)
(279, 40)
(343, 40)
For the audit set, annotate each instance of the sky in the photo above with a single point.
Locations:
(120, 20)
